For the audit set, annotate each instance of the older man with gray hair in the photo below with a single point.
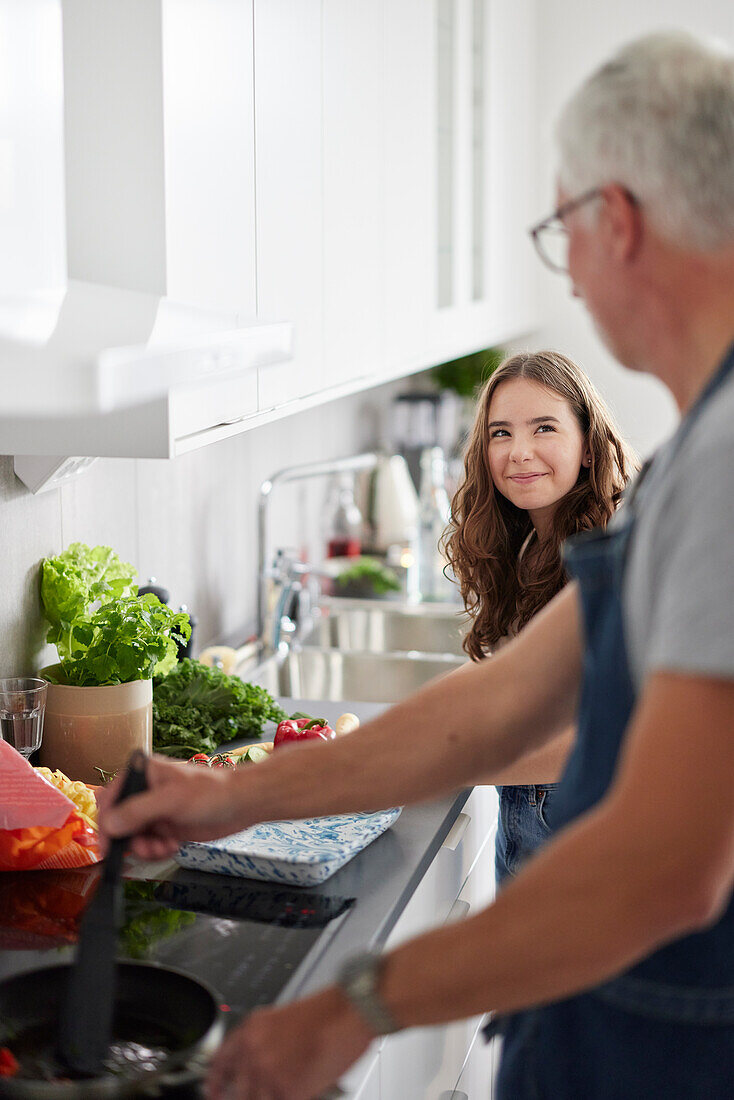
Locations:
(609, 960)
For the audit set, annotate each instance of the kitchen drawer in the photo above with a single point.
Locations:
(478, 1074)
(425, 1063)
(362, 1082)
(464, 865)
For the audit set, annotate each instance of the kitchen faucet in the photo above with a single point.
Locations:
(287, 573)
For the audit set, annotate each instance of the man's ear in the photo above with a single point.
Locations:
(621, 220)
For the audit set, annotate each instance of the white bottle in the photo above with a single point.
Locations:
(433, 517)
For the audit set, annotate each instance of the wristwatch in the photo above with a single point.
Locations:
(358, 980)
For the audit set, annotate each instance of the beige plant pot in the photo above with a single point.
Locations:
(86, 728)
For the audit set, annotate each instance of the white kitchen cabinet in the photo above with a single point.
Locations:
(354, 173)
(515, 180)
(362, 170)
(459, 186)
(410, 183)
(425, 1063)
(289, 188)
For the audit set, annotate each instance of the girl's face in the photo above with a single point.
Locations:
(536, 448)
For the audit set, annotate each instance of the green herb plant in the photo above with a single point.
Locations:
(103, 631)
(371, 574)
(464, 376)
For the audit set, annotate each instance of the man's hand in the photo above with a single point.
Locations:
(182, 803)
(291, 1053)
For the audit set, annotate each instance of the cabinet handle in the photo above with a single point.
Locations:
(456, 832)
(458, 910)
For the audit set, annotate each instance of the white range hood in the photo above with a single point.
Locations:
(154, 339)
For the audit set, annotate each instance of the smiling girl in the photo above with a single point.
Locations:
(544, 461)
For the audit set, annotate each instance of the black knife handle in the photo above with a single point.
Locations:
(135, 782)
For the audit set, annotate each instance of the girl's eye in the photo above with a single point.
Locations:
(546, 427)
(498, 432)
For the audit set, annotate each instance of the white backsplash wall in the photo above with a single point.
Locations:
(190, 522)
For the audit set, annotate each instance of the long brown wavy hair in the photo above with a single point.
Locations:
(486, 531)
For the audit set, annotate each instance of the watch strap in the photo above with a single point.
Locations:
(359, 980)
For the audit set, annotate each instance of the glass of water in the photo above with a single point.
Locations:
(22, 703)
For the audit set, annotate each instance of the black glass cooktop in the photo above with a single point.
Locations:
(242, 938)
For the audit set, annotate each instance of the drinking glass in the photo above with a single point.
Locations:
(22, 703)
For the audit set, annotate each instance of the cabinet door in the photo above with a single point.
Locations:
(288, 180)
(410, 183)
(353, 125)
(436, 138)
(514, 179)
(460, 178)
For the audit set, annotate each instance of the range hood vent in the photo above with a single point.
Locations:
(155, 336)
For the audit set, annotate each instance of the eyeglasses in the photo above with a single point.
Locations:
(550, 236)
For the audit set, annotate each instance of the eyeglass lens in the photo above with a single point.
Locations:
(553, 244)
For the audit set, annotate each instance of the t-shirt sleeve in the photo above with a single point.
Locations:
(692, 610)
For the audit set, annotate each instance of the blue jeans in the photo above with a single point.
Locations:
(521, 826)
(585, 1049)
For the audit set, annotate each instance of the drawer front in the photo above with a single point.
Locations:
(464, 866)
(425, 1063)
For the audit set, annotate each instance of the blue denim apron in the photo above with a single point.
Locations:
(665, 1028)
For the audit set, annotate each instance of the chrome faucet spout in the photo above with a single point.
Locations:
(351, 463)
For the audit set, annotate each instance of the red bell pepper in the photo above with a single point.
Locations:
(8, 1063)
(302, 729)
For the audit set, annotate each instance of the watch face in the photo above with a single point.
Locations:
(363, 983)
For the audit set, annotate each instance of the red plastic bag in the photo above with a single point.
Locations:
(40, 828)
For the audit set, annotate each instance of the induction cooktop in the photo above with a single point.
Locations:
(244, 939)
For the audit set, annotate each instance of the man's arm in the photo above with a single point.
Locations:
(543, 765)
(540, 765)
(436, 741)
(653, 861)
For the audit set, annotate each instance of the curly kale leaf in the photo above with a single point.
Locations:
(196, 709)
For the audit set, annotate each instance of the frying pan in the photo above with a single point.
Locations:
(148, 996)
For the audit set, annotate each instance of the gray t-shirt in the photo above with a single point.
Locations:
(678, 598)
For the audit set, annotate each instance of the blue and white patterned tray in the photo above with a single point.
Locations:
(300, 852)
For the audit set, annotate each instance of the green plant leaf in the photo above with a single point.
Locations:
(464, 376)
(104, 632)
(372, 574)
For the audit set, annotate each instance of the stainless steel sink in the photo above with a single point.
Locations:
(329, 674)
(374, 627)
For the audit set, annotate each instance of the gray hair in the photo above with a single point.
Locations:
(658, 119)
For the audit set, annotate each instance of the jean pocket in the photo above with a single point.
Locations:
(543, 797)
